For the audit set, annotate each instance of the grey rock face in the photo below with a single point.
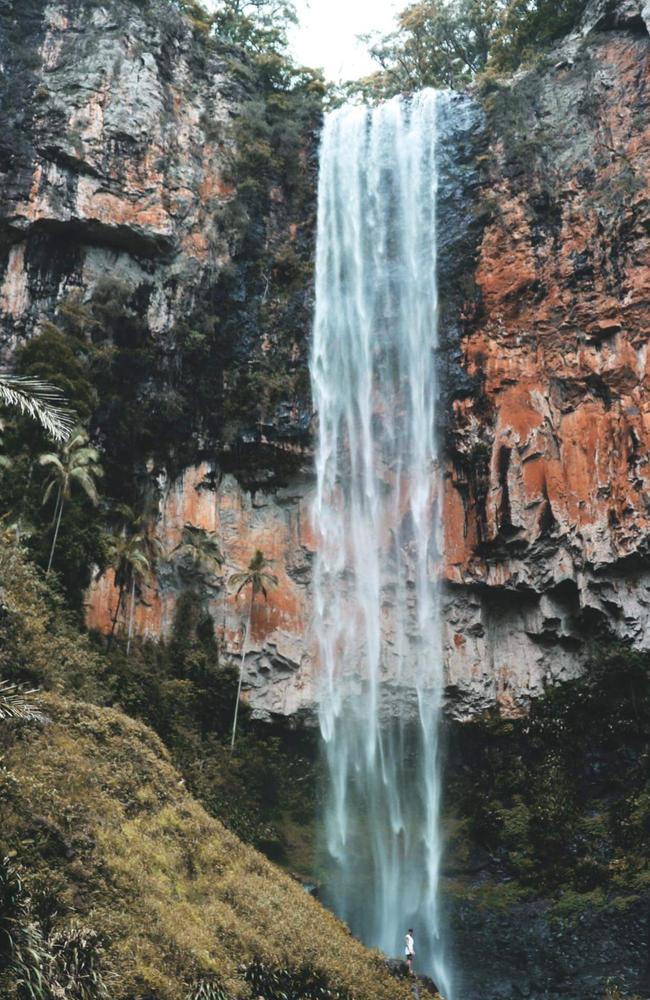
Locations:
(115, 140)
(525, 953)
(606, 14)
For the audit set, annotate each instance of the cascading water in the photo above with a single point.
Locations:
(376, 617)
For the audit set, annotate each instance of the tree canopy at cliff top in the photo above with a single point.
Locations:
(445, 43)
(437, 43)
(258, 25)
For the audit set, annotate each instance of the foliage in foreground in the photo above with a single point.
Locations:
(38, 400)
(264, 792)
(130, 882)
(41, 963)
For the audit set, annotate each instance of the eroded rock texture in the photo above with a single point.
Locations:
(116, 138)
(547, 492)
(279, 665)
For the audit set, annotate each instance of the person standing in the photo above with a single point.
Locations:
(409, 949)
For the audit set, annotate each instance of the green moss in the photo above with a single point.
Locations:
(101, 819)
(501, 897)
(489, 896)
(39, 638)
(109, 834)
(572, 904)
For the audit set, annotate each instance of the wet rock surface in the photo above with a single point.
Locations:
(525, 951)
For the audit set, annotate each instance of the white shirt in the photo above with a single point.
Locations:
(408, 949)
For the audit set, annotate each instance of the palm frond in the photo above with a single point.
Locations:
(134, 555)
(256, 575)
(262, 583)
(84, 455)
(48, 490)
(201, 546)
(39, 400)
(51, 459)
(78, 440)
(126, 516)
(84, 477)
(15, 704)
(239, 580)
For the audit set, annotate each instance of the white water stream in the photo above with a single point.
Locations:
(376, 616)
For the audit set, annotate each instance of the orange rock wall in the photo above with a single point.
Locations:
(548, 493)
(279, 675)
(119, 143)
(561, 344)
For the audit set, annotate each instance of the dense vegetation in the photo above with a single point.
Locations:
(186, 690)
(439, 43)
(558, 804)
(116, 878)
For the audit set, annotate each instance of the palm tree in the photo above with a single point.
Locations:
(40, 401)
(76, 463)
(134, 553)
(203, 550)
(257, 577)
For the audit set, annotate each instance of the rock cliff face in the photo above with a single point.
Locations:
(547, 494)
(115, 136)
(279, 669)
(117, 142)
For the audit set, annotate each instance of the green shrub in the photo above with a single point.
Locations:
(562, 798)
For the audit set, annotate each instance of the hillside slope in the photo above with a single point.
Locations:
(107, 830)
(102, 826)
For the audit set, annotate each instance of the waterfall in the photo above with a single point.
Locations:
(377, 522)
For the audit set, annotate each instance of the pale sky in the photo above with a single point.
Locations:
(327, 34)
(326, 37)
